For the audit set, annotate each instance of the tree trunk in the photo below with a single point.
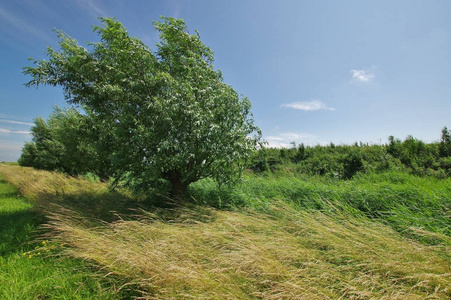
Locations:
(178, 190)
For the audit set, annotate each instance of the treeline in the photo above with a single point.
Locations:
(344, 161)
(75, 143)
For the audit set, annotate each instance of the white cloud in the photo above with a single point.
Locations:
(16, 122)
(9, 131)
(362, 75)
(308, 106)
(283, 140)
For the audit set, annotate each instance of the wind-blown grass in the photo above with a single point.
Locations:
(31, 269)
(281, 238)
(286, 253)
(409, 204)
(94, 199)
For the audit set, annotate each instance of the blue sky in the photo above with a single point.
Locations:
(315, 71)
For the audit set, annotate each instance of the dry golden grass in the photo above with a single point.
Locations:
(204, 253)
(239, 255)
(43, 185)
(94, 199)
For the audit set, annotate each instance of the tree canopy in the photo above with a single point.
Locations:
(170, 113)
(68, 142)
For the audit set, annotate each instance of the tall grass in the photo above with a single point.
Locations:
(286, 253)
(32, 269)
(409, 204)
(47, 190)
(281, 237)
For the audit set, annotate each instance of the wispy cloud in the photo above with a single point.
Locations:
(10, 150)
(91, 7)
(26, 29)
(362, 75)
(11, 147)
(10, 131)
(176, 8)
(284, 140)
(16, 122)
(13, 117)
(308, 106)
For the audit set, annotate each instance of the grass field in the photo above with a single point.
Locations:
(32, 269)
(413, 206)
(380, 236)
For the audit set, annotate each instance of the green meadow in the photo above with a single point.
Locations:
(277, 235)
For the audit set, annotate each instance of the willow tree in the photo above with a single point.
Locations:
(171, 114)
(70, 142)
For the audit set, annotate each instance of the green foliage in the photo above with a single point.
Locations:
(445, 143)
(29, 155)
(169, 112)
(300, 154)
(352, 164)
(68, 142)
(45, 152)
(345, 161)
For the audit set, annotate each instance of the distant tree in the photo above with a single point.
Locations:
(445, 143)
(300, 154)
(29, 155)
(352, 164)
(283, 153)
(170, 113)
(66, 142)
(43, 152)
(68, 129)
(394, 146)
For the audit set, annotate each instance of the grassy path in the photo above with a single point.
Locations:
(28, 273)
